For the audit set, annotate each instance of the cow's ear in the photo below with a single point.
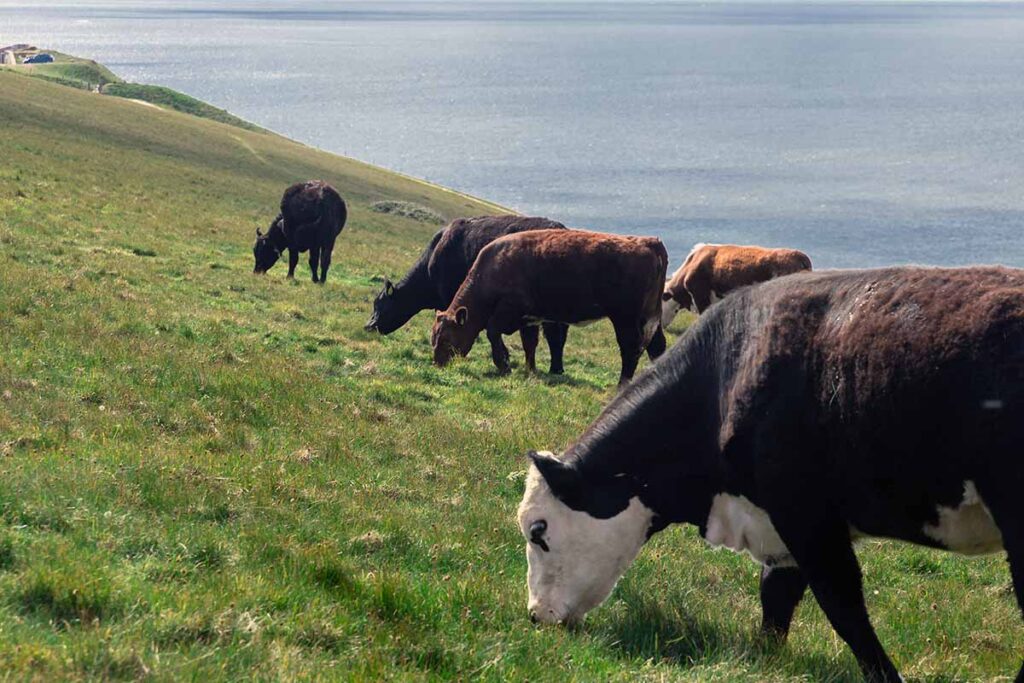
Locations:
(563, 479)
(389, 288)
(461, 315)
(259, 233)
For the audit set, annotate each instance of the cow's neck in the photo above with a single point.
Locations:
(278, 236)
(662, 432)
(480, 308)
(415, 293)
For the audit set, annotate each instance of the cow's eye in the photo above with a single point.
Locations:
(537, 530)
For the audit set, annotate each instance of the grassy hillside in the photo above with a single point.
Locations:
(72, 71)
(89, 75)
(215, 476)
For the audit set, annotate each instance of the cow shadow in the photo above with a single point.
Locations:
(646, 631)
(565, 380)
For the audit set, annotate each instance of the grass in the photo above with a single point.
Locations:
(172, 99)
(210, 475)
(89, 75)
(72, 71)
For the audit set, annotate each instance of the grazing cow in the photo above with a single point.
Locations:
(565, 276)
(436, 276)
(312, 216)
(792, 418)
(713, 270)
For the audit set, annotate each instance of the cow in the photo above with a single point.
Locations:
(564, 276)
(791, 419)
(312, 216)
(432, 281)
(711, 271)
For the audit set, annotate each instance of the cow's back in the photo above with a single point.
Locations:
(558, 272)
(464, 238)
(896, 373)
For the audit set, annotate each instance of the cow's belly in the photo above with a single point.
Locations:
(736, 523)
(967, 528)
(535, 320)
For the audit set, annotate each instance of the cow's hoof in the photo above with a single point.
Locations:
(556, 371)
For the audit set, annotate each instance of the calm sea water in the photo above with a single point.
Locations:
(865, 134)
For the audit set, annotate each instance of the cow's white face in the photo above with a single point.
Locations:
(575, 559)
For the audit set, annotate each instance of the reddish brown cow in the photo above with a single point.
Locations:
(713, 270)
(560, 276)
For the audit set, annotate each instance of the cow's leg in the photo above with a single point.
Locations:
(325, 262)
(657, 345)
(499, 352)
(556, 334)
(1001, 497)
(630, 339)
(293, 261)
(314, 260)
(782, 588)
(530, 335)
(820, 543)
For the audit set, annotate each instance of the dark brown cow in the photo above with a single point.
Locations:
(561, 276)
(312, 216)
(713, 270)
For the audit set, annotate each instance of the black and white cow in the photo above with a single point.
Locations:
(792, 418)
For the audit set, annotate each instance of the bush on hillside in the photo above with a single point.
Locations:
(408, 210)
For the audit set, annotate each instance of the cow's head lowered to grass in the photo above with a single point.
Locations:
(452, 334)
(268, 247)
(386, 318)
(582, 534)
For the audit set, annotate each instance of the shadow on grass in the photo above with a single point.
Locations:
(649, 632)
(568, 381)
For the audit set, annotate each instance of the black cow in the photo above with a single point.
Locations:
(436, 276)
(312, 216)
(792, 418)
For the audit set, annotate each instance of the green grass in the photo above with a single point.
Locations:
(89, 75)
(210, 475)
(72, 71)
(172, 99)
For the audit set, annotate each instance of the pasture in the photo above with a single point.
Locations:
(210, 475)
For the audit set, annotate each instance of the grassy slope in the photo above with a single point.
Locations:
(74, 71)
(205, 474)
(90, 75)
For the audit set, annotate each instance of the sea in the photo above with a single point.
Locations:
(864, 133)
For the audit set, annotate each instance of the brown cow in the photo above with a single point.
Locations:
(713, 270)
(560, 276)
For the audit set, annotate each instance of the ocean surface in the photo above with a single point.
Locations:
(864, 133)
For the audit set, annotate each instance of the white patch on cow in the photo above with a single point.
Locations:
(669, 310)
(967, 528)
(586, 556)
(736, 523)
